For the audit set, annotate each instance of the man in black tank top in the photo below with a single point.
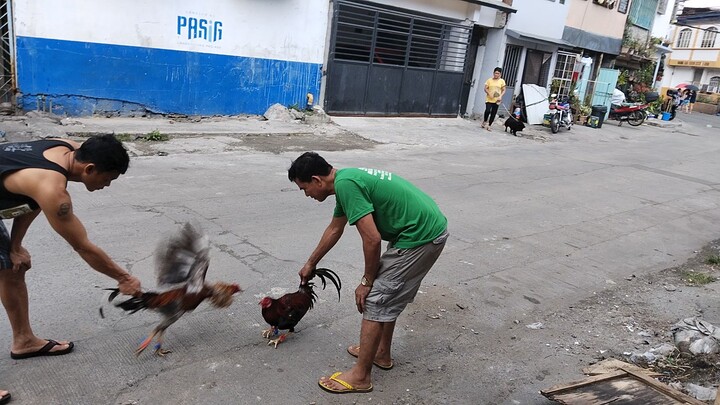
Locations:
(33, 178)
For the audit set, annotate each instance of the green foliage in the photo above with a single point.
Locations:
(655, 107)
(694, 278)
(713, 259)
(125, 137)
(156, 136)
(708, 98)
(295, 107)
(623, 78)
(585, 109)
(555, 86)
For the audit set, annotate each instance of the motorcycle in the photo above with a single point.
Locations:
(633, 113)
(671, 104)
(560, 114)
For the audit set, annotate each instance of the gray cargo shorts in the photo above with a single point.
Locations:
(5, 262)
(399, 277)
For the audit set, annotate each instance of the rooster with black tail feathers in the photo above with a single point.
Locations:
(285, 312)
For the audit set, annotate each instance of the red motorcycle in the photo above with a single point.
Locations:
(633, 113)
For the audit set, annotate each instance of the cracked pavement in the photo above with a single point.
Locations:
(535, 227)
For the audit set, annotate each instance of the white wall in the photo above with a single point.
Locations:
(539, 17)
(661, 26)
(677, 75)
(292, 30)
(493, 55)
(447, 8)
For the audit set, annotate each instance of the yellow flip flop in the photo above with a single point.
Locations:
(354, 351)
(348, 387)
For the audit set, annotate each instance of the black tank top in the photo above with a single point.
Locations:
(24, 155)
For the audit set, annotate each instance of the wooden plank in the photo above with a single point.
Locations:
(666, 389)
(624, 390)
(611, 365)
(591, 380)
(623, 386)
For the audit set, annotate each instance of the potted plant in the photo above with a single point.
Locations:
(584, 113)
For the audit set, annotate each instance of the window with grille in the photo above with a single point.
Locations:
(7, 78)
(366, 34)
(683, 40)
(714, 84)
(708, 40)
(642, 13)
(511, 64)
(564, 68)
(623, 6)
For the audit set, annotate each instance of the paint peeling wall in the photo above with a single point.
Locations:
(186, 57)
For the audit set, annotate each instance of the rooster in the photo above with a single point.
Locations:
(181, 263)
(285, 312)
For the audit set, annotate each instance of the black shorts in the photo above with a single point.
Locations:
(5, 262)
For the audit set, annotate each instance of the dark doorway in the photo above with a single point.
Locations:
(537, 67)
(478, 37)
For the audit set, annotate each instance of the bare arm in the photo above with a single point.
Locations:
(47, 188)
(371, 250)
(19, 256)
(329, 238)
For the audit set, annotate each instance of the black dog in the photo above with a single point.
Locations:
(514, 124)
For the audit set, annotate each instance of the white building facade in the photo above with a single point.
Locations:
(389, 57)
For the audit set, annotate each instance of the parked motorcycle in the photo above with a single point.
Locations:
(560, 114)
(633, 113)
(671, 104)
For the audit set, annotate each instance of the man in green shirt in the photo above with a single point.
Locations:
(383, 206)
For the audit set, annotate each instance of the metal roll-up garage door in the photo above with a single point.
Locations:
(390, 62)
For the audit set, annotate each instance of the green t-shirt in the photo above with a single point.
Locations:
(403, 214)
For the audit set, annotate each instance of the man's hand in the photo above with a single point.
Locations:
(129, 285)
(361, 292)
(306, 273)
(20, 259)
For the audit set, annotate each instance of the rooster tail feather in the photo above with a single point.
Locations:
(115, 292)
(136, 304)
(324, 273)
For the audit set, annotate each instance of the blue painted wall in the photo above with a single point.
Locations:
(84, 78)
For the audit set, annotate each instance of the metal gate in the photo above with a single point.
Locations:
(389, 62)
(7, 53)
(511, 66)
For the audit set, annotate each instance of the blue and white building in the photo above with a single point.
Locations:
(384, 57)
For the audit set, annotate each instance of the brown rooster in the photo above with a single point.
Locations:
(285, 312)
(181, 263)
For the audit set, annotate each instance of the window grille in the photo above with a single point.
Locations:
(714, 84)
(7, 76)
(642, 13)
(511, 64)
(708, 40)
(385, 38)
(564, 68)
(683, 40)
(623, 6)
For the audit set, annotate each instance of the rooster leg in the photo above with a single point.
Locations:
(273, 331)
(158, 346)
(279, 340)
(145, 343)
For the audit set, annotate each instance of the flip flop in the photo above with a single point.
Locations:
(5, 399)
(351, 351)
(348, 387)
(44, 351)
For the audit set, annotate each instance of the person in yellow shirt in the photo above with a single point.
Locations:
(494, 90)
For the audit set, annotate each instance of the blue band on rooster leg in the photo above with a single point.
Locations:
(276, 331)
(157, 346)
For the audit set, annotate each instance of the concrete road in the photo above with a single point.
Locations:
(536, 224)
